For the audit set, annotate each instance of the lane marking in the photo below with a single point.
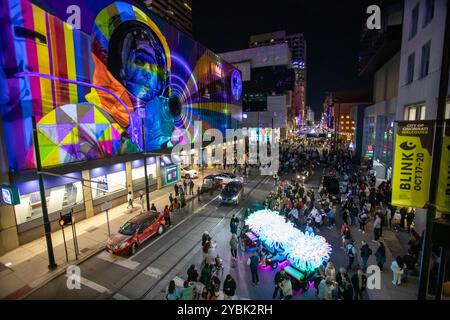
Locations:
(126, 263)
(119, 296)
(91, 284)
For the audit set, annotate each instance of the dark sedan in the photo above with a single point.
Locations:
(232, 193)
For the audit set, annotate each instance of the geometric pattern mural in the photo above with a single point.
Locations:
(77, 132)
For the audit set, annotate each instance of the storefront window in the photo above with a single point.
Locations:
(58, 198)
(107, 184)
(138, 174)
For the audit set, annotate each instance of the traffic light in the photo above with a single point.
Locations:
(66, 219)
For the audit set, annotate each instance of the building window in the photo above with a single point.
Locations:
(410, 71)
(429, 11)
(58, 199)
(414, 20)
(415, 112)
(109, 183)
(425, 59)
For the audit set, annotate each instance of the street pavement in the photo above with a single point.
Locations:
(147, 274)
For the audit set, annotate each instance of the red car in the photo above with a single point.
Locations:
(133, 233)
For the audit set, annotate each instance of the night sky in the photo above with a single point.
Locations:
(331, 29)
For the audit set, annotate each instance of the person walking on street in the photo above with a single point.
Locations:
(377, 228)
(397, 267)
(229, 287)
(185, 186)
(130, 200)
(153, 207)
(354, 212)
(187, 293)
(279, 277)
(175, 187)
(234, 222)
(359, 281)
(167, 216)
(366, 252)
(409, 219)
(253, 263)
(351, 253)
(141, 199)
(191, 187)
(362, 221)
(234, 243)
(345, 288)
(286, 288)
(192, 274)
(380, 255)
(172, 292)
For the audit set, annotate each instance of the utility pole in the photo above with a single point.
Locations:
(48, 236)
(147, 191)
(437, 148)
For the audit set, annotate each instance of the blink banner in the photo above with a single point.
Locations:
(443, 193)
(90, 87)
(412, 164)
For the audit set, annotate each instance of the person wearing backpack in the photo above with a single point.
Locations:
(351, 253)
(366, 252)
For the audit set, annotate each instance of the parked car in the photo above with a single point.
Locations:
(232, 193)
(187, 172)
(135, 232)
(226, 178)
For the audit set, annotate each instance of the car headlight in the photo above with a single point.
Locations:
(235, 198)
(220, 197)
(123, 245)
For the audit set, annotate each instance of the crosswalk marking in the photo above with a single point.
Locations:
(91, 284)
(153, 272)
(126, 263)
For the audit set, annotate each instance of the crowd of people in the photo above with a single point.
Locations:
(363, 206)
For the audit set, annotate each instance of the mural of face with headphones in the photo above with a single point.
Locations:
(143, 66)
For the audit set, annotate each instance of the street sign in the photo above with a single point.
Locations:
(443, 191)
(10, 195)
(66, 219)
(106, 206)
(412, 164)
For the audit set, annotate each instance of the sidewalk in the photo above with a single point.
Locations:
(26, 267)
(396, 244)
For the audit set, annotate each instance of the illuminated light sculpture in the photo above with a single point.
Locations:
(305, 252)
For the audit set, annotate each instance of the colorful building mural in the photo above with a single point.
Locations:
(96, 90)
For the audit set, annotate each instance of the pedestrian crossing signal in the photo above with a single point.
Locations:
(66, 219)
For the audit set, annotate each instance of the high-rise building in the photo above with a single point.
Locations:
(267, 83)
(177, 12)
(297, 45)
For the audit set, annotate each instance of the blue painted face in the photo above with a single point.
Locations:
(144, 77)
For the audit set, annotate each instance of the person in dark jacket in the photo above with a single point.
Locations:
(206, 275)
(279, 277)
(359, 281)
(253, 263)
(345, 288)
(229, 288)
(366, 252)
(380, 255)
(192, 274)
